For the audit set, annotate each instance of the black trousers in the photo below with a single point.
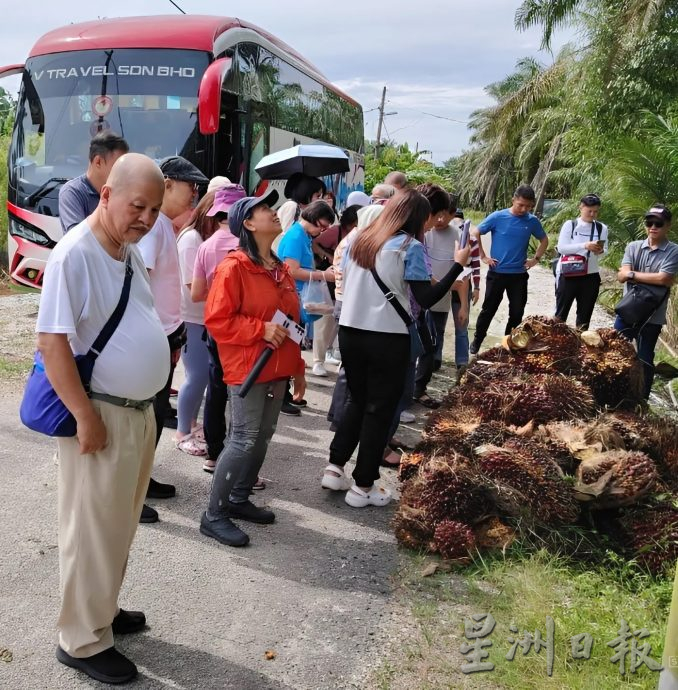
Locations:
(176, 341)
(426, 363)
(376, 364)
(515, 287)
(583, 289)
(214, 419)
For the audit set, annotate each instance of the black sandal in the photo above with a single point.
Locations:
(427, 401)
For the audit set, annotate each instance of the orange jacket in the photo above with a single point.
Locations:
(244, 296)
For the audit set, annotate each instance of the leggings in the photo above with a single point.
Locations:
(195, 359)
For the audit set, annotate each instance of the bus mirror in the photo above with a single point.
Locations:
(209, 95)
(9, 70)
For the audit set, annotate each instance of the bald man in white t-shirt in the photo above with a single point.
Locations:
(104, 470)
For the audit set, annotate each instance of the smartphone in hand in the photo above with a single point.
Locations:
(465, 233)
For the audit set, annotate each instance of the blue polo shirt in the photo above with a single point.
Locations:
(296, 244)
(77, 200)
(510, 238)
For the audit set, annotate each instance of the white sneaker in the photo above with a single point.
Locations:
(319, 369)
(331, 359)
(334, 479)
(407, 417)
(376, 496)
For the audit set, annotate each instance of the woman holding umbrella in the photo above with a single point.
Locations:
(300, 190)
(250, 286)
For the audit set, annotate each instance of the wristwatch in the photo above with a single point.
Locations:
(631, 275)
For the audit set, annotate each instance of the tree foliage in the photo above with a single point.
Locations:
(602, 117)
(6, 124)
(393, 157)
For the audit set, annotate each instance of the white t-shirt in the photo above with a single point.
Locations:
(364, 305)
(440, 250)
(574, 241)
(81, 288)
(187, 246)
(159, 251)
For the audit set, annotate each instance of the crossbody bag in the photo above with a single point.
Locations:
(640, 302)
(41, 408)
(575, 265)
(421, 338)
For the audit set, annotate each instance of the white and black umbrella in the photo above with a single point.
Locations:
(314, 160)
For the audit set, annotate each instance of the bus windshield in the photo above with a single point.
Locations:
(147, 96)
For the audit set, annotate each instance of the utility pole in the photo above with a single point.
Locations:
(382, 115)
(381, 122)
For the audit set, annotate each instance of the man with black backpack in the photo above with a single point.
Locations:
(580, 244)
(648, 271)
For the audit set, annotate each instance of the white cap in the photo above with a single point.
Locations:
(217, 183)
(358, 199)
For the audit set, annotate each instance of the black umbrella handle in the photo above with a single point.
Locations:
(256, 370)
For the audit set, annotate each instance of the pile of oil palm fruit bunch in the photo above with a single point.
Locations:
(546, 431)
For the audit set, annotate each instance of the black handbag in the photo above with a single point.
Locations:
(639, 304)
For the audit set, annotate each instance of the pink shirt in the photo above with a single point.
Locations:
(211, 253)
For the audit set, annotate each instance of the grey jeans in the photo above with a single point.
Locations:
(252, 425)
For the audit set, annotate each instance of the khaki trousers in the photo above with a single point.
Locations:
(100, 501)
(324, 333)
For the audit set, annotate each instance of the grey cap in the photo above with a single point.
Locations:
(178, 168)
(241, 210)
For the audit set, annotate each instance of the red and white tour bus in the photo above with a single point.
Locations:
(217, 90)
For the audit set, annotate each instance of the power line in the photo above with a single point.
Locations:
(439, 117)
(177, 6)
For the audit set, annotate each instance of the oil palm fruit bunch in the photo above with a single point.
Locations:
(534, 489)
(453, 539)
(615, 478)
(447, 488)
(652, 535)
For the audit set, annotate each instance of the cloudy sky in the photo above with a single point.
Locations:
(434, 57)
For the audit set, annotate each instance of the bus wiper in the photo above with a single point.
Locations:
(44, 189)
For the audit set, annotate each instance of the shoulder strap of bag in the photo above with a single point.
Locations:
(115, 318)
(392, 299)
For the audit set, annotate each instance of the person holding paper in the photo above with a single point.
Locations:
(250, 287)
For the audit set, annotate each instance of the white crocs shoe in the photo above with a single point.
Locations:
(334, 479)
(376, 496)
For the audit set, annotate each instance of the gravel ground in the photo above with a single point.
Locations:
(316, 588)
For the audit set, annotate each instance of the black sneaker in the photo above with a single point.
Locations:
(109, 666)
(299, 403)
(248, 511)
(158, 490)
(127, 622)
(289, 409)
(224, 531)
(148, 515)
(474, 348)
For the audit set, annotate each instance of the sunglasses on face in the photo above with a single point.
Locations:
(654, 223)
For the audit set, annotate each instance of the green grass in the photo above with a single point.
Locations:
(523, 587)
(14, 369)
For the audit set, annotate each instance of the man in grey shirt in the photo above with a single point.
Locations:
(652, 262)
(80, 196)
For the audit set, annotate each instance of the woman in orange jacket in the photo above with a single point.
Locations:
(250, 285)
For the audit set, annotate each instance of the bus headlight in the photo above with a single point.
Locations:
(30, 233)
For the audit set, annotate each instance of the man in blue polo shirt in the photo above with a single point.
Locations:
(511, 231)
(80, 196)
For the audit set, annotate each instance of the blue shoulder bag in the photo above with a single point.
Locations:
(41, 408)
